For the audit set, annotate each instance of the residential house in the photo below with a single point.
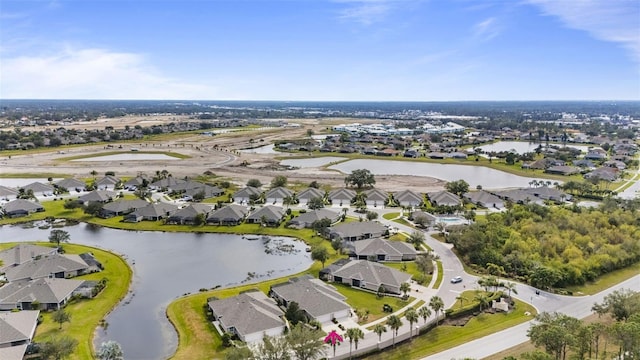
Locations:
(341, 197)
(603, 173)
(102, 196)
(108, 182)
(484, 199)
(39, 189)
(49, 293)
(190, 188)
(246, 195)
(548, 193)
(363, 274)
(269, 215)
(166, 183)
(21, 207)
(7, 193)
(416, 215)
(121, 207)
(278, 195)
(377, 249)
(376, 197)
(318, 301)
(71, 184)
(188, 214)
(615, 164)
(355, 231)
(231, 215)
(309, 193)
(518, 196)
(562, 170)
(50, 266)
(582, 163)
(134, 183)
(152, 212)
(596, 155)
(407, 198)
(23, 253)
(305, 220)
(444, 198)
(16, 332)
(250, 316)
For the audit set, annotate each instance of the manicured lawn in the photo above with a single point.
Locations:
(87, 314)
(439, 276)
(391, 216)
(359, 299)
(444, 337)
(411, 268)
(607, 280)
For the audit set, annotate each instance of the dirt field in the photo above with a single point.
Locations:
(218, 154)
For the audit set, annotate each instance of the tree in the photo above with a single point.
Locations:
(424, 312)
(93, 208)
(362, 314)
(405, 288)
(279, 181)
(273, 348)
(294, 314)
(412, 317)
(239, 353)
(360, 178)
(60, 316)
(421, 220)
(461, 299)
(394, 323)
(482, 299)
(310, 133)
(621, 304)
(555, 332)
(320, 253)
(457, 187)
(379, 329)
(58, 236)
(354, 335)
(305, 343)
(436, 304)
(334, 339)
(372, 215)
(416, 238)
(254, 183)
(314, 184)
(511, 287)
(315, 203)
(58, 348)
(110, 350)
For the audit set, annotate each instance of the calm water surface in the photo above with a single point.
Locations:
(522, 147)
(167, 265)
(474, 175)
(18, 182)
(266, 149)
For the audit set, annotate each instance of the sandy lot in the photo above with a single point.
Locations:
(217, 154)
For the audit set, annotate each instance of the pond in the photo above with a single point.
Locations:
(312, 162)
(266, 149)
(129, 157)
(474, 175)
(522, 147)
(168, 265)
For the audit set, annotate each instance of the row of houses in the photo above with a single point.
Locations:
(251, 315)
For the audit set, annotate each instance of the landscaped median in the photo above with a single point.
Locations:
(87, 315)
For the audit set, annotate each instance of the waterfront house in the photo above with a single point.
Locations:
(51, 266)
(444, 198)
(47, 293)
(71, 184)
(17, 329)
(381, 250)
(188, 215)
(121, 207)
(230, 215)
(152, 212)
(305, 220)
(268, 215)
(21, 207)
(355, 231)
(363, 274)
(102, 196)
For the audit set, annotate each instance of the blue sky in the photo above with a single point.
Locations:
(342, 50)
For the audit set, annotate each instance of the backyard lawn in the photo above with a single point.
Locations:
(359, 299)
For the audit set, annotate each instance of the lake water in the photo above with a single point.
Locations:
(266, 149)
(168, 265)
(129, 157)
(522, 147)
(18, 182)
(311, 162)
(474, 175)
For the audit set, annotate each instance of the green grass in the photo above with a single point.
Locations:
(439, 276)
(87, 314)
(444, 336)
(391, 216)
(411, 268)
(606, 281)
(402, 222)
(359, 299)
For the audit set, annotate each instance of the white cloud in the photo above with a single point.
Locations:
(365, 12)
(609, 20)
(92, 74)
(486, 29)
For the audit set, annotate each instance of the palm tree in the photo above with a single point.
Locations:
(405, 288)
(334, 339)
(394, 324)
(511, 287)
(412, 317)
(482, 298)
(436, 304)
(424, 312)
(379, 329)
(354, 335)
(461, 299)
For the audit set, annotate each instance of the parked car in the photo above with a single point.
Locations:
(457, 279)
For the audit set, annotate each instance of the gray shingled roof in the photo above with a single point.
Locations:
(7, 191)
(279, 193)
(270, 212)
(482, 197)
(46, 265)
(379, 246)
(17, 326)
(311, 216)
(71, 183)
(192, 211)
(312, 295)
(231, 212)
(444, 198)
(377, 195)
(408, 195)
(156, 210)
(372, 273)
(247, 192)
(342, 194)
(43, 290)
(97, 195)
(37, 187)
(356, 229)
(125, 205)
(21, 204)
(166, 182)
(249, 312)
(107, 180)
(310, 193)
(22, 253)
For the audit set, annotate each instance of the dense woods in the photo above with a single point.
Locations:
(553, 246)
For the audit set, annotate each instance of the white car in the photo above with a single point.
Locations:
(457, 279)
